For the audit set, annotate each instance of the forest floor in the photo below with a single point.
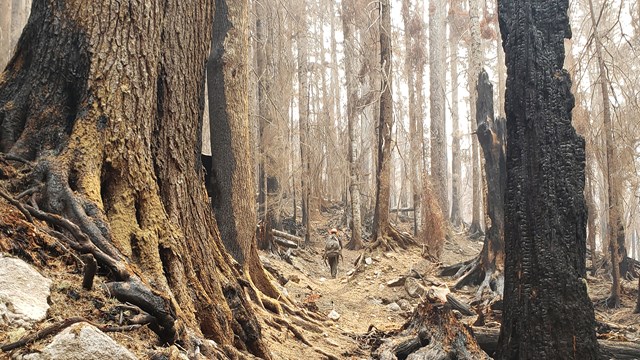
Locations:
(363, 299)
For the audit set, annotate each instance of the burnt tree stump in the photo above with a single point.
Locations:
(547, 313)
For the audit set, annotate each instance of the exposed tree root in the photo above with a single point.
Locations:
(389, 239)
(473, 273)
(59, 326)
(89, 239)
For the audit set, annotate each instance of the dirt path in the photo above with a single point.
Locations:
(362, 299)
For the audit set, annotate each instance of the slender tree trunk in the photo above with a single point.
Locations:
(303, 120)
(412, 28)
(475, 64)
(591, 221)
(456, 162)
(385, 126)
(116, 139)
(615, 225)
(547, 311)
(437, 64)
(502, 74)
(348, 14)
(338, 147)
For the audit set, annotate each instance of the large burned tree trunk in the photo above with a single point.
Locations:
(109, 116)
(548, 314)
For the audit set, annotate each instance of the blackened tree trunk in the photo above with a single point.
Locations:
(547, 312)
(109, 117)
(487, 270)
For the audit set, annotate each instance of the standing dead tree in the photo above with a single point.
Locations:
(547, 312)
(487, 269)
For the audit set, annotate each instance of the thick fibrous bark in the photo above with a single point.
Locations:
(548, 314)
(108, 114)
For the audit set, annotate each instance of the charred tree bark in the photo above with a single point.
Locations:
(547, 312)
(106, 113)
(488, 269)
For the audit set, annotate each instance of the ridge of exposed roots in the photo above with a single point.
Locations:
(87, 238)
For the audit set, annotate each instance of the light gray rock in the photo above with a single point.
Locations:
(413, 287)
(82, 341)
(23, 293)
(393, 307)
(333, 315)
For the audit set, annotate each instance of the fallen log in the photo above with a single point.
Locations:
(293, 242)
(487, 338)
(285, 243)
(460, 306)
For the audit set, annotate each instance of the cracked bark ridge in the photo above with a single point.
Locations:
(548, 314)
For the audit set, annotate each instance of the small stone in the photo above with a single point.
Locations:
(368, 261)
(413, 287)
(405, 305)
(333, 315)
(350, 272)
(394, 307)
(295, 278)
(323, 279)
(396, 282)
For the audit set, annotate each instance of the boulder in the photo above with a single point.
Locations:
(82, 341)
(23, 293)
